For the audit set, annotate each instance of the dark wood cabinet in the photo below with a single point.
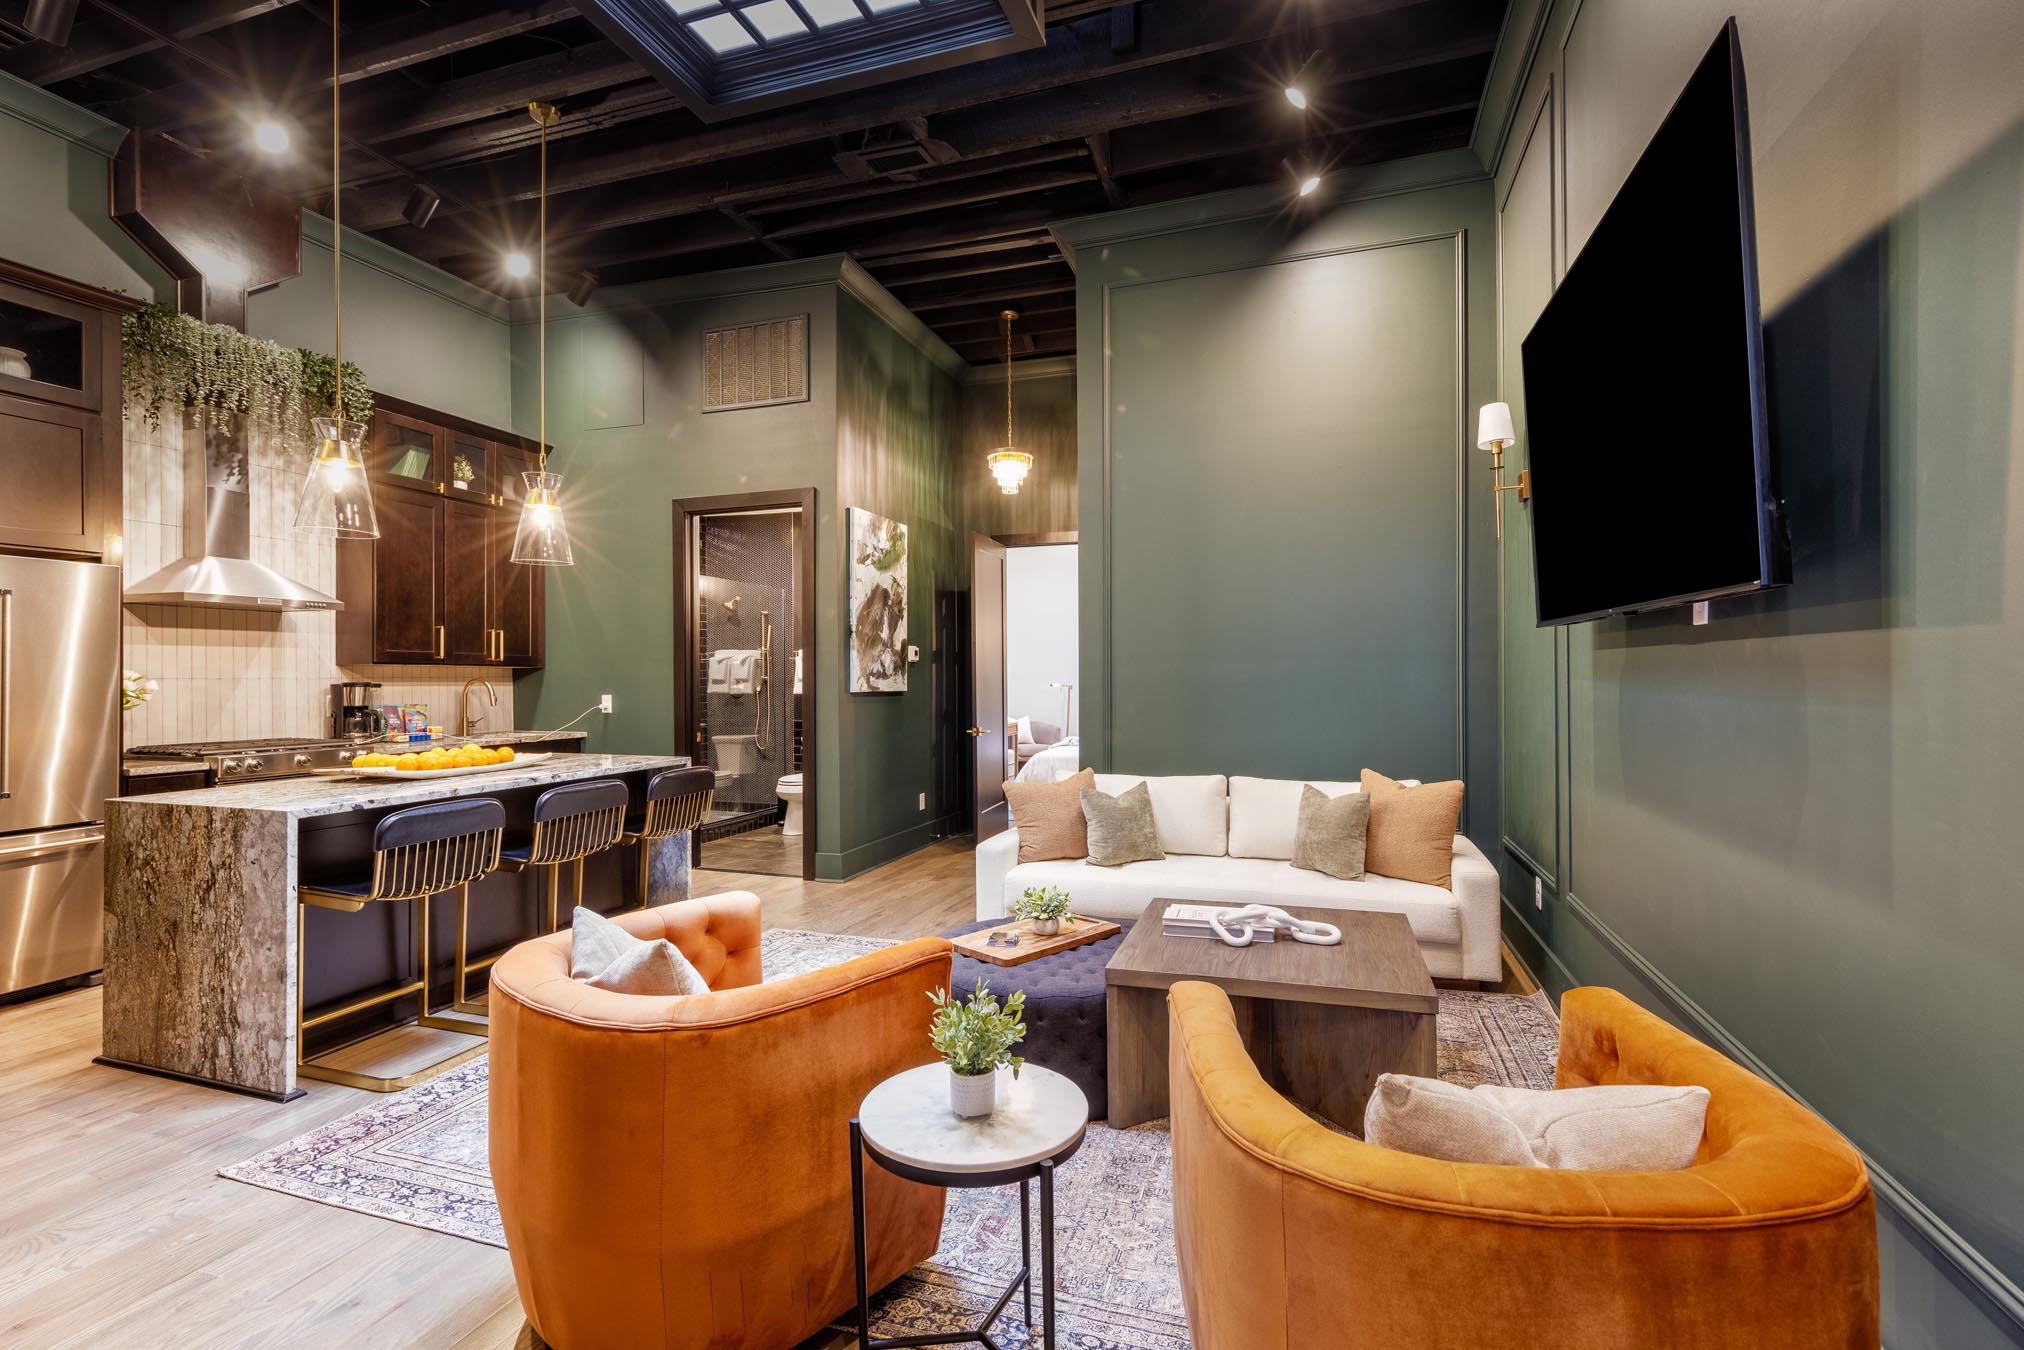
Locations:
(60, 397)
(439, 586)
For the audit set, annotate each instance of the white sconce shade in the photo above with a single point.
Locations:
(1493, 427)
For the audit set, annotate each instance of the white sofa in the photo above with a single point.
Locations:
(1228, 840)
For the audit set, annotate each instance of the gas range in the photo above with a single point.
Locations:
(274, 757)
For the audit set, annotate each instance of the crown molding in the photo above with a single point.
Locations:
(362, 250)
(882, 302)
(758, 279)
(1363, 183)
(59, 117)
(1510, 70)
(1038, 368)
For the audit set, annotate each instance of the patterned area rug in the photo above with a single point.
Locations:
(418, 1157)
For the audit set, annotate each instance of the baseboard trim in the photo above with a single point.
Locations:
(1545, 947)
(849, 863)
(2003, 1295)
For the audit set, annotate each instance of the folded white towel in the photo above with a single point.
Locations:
(720, 671)
(797, 670)
(740, 673)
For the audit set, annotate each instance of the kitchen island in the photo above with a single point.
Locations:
(202, 936)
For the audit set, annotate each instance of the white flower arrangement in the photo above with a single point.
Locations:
(135, 689)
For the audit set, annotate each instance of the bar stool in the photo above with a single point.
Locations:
(678, 801)
(416, 853)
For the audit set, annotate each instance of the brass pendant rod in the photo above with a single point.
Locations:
(336, 215)
(541, 288)
(1010, 315)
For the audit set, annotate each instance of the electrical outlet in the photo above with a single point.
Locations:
(924, 801)
(1700, 613)
(1539, 893)
(606, 703)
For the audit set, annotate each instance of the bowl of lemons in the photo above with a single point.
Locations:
(439, 761)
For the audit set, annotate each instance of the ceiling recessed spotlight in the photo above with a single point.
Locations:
(271, 136)
(1302, 81)
(1296, 96)
(1309, 184)
(517, 265)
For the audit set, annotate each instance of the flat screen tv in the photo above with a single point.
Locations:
(1652, 476)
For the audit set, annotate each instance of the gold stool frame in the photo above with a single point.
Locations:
(410, 872)
(666, 817)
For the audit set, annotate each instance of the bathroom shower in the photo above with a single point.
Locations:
(763, 730)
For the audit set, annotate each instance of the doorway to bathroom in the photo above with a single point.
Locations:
(744, 707)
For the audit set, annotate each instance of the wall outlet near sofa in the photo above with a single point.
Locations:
(924, 801)
(1539, 892)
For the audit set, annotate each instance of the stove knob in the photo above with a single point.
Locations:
(303, 761)
(226, 766)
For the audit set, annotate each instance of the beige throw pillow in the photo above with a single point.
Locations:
(605, 956)
(1412, 829)
(1439, 1120)
(1049, 817)
(1121, 828)
(1329, 835)
(1631, 1127)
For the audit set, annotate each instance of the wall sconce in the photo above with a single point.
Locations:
(1494, 433)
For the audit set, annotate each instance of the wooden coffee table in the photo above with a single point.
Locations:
(1321, 1023)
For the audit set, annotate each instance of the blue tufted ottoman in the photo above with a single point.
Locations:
(1065, 1019)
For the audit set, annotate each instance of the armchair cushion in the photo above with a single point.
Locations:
(605, 956)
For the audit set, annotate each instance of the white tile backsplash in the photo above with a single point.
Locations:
(237, 674)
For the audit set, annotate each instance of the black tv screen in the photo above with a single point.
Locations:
(1645, 426)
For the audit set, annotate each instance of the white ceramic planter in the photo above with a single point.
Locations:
(973, 1095)
(1046, 927)
(14, 361)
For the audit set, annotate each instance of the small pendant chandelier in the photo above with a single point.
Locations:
(336, 498)
(1009, 465)
(542, 539)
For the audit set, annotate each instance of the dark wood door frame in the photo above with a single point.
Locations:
(688, 656)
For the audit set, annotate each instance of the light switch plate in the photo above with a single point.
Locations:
(924, 801)
(1539, 893)
(1700, 612)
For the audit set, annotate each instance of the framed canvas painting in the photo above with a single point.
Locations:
(878, 603)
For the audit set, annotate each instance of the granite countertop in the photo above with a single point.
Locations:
(483, 737)
(326, 795)
(144, 768)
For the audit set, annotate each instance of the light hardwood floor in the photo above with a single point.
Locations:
(116, 1232)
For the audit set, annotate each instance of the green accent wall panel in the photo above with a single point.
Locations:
(1791, 829)
(1044, 426)
(1288, 566)
(54, 163)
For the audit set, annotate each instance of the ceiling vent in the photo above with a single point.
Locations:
(896, 152)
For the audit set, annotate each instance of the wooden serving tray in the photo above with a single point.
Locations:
(1074, 933)
(519, 761)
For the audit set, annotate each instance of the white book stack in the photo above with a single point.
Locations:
(1193, 921)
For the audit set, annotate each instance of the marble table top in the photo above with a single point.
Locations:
(331, 795)
(1040, 1114)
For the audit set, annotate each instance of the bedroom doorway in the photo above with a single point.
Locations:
(1041, 656)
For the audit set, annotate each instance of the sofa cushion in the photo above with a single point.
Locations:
(1329, 837)
(1412, 828)
(1051, 823)
(1264, 812)
(1122, 893)
(1121, 828)
(1193, 811)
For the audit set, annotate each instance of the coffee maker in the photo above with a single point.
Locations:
(354, 714)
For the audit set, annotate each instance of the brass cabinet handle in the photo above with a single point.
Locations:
(440, 639)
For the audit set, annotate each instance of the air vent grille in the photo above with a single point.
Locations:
(756, 365)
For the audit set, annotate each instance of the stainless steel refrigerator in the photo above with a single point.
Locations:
(59, 761)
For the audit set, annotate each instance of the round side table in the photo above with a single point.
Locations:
(905, 1126)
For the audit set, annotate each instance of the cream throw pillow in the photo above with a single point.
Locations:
(1630, 1127)
(605, 956)
(1049, 817)
(1412, 829)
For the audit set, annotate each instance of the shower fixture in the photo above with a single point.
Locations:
(763, 715)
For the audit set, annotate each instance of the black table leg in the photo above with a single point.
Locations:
(857, 1225)
(1046, 1250)
(1026, 1252)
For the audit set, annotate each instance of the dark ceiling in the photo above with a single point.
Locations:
(941, 184)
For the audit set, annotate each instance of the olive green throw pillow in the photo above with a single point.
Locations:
(1330, 833)
(1121, 828)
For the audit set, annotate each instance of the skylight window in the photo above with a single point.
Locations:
(887, 6)
(829, 13)
(688, 7)
(722, 33)
(774, 20)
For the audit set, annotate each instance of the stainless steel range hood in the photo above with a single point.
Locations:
(218, 514)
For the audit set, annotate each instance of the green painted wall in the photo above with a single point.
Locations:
(1287, 563)
(1043, 409)
(895, 432)
(624, 414)
(1791, 830)
(53, 210)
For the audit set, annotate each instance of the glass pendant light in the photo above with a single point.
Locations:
(1009, 465)
(542, 539)
(336, 497)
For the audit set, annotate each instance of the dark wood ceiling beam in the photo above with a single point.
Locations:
(982, 269)
(972, 330)
(968, 249)
(107, 42)
(874, 250)
(856, 191)
(1099, 159)
(1075, 52)
(398, 112)
(939, 199)
(929, 304)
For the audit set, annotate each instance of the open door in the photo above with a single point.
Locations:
(987, 686)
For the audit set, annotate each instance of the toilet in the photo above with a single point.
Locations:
(790, 793)
(736, 756)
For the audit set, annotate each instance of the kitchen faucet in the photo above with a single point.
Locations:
(466, 723)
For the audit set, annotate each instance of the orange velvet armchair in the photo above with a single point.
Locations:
(675, 1172)
(1293, 1237)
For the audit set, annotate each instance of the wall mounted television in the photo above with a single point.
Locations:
(1653, 482)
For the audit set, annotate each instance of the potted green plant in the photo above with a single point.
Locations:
(1045, 907)
(974, 1037)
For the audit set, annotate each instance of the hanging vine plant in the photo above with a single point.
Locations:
(174, 362)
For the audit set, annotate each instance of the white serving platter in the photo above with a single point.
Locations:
(518, 761)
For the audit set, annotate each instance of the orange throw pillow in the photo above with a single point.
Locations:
(1049, 818)
(1412, 829)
